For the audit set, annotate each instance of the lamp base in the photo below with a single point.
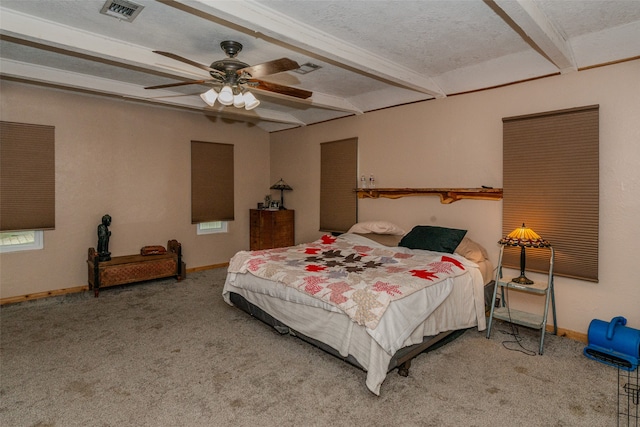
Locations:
(522, 280)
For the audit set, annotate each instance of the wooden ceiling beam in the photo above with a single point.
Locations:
(536, 28)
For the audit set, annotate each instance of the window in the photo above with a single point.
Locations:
(27, 177)
(212, 227)
(551, 183)
(338, 179)
(211, 182)
(13, 241)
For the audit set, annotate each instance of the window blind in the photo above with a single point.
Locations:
(338, 178)
(211, 182)
(551, 183)
(27, 177)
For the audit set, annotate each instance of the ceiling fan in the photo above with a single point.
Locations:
(235, 77)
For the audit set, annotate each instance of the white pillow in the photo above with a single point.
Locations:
(472, 251)
(377, 227)
(383, 239)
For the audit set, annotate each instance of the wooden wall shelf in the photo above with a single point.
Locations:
(447, 195)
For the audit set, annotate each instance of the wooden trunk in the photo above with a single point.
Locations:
(135, 268)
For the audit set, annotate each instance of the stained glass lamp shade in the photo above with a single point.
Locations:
(525, 238)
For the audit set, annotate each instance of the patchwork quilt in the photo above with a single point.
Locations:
(361, 280)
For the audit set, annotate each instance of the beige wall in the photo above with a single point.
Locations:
(133, 162)
(457, 142)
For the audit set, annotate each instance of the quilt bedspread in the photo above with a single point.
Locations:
(361, 280)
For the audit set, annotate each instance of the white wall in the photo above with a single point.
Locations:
(457, 142)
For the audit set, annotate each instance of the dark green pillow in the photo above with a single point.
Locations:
(433, 238)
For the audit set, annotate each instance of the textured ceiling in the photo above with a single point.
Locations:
(373, 54)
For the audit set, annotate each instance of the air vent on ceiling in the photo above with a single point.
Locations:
(121, 9)
(307, 68)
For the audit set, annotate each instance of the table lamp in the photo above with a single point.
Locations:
(281, 185)
(525, 238)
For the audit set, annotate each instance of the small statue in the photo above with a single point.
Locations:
(103, 239)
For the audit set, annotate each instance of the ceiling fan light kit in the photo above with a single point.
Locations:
(250, 101)
(238, 100)
(225, 97)
(244, 100)
(235, 76)
(209, 97)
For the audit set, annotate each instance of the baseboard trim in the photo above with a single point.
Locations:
(208, 267)
(40, 295)
(76, 289)
(577, 336)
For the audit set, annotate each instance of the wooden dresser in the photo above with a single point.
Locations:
(271, 229)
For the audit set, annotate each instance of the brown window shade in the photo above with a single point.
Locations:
(551, 182)
(338, 178)
(27, 177)
(211, 182)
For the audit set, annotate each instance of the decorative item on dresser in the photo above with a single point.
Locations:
(271, 229)
(282, 186)
(151, 263)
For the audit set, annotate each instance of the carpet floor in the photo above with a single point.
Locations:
(167, 353)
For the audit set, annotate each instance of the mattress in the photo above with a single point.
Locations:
(454, 303)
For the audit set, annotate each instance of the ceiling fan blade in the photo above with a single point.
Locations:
(271, 67)
(192, 82)
(284, 90)
(188, 61)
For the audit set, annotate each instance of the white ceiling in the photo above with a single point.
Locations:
(373, 54)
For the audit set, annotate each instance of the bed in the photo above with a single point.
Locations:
(375, 299)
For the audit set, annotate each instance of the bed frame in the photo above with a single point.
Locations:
(401, 360)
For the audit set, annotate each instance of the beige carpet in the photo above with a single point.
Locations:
(174, 354)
